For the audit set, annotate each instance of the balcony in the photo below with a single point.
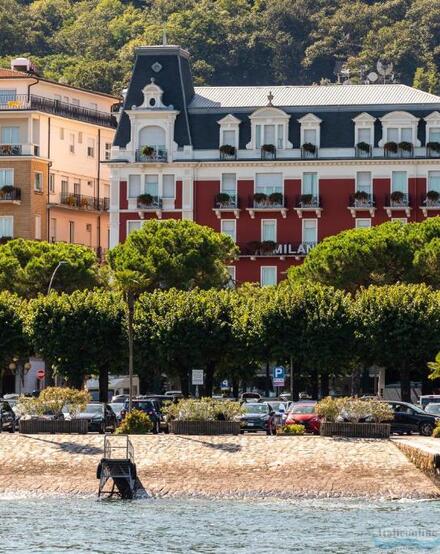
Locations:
(430, 202)
(226, 202)
(64, 109)
(433, 150)
(82, 202)
(398, 201)
(10, 195)
(227, 152)
(149, 203)
(268, 152)
(156, 153)
(308, 203)
(360, 202)
(363, 150)
(19, 150)
(398, 150)
(309, 151)
(270, 202)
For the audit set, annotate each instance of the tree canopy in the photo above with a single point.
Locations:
(90, 43)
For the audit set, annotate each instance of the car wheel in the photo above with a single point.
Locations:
(12, 428)
(426, 429)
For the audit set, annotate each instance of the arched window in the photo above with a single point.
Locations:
(152, 135)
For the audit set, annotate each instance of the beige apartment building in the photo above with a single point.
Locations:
(53, 140)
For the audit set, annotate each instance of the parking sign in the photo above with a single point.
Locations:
(278, 376)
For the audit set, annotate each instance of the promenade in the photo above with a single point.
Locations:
(243, 466)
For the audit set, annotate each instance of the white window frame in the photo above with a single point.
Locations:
(9, 140)
(399, 120)
(229, 123)
(317, 182)
(304, 221)
(428, 178)
(359, 219)
(269, 116)
(263, 222)
(310, 122)
(270, 173)
(364, 121)
(356, 186)
(127, 225)
(235, 183)
(161, 185)
(41, 181)
(52, 182)
(407, 180)
(9, 171)
(234, 224)
(273, 267)
(11, 219)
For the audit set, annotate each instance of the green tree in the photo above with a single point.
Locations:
(398, 327)
(79, 335)
(26, 267)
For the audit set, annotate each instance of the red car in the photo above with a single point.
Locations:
(304, 413)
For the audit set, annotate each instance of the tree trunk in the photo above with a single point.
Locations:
(130, 305)
(209, 379)
(294, 385)
(103, 384)
(325, 385)
(235, 387)
(314, 384)
(405, 384)
(427, 384)
(356, 381)
(267, 384)
(184, 383)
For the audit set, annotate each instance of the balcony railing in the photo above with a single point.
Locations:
(309, 151)
(226, 201)
(308, 201)
(157, 153)
(362, 201)
(64, 109)
(10, 194)
(268, 152)
(365, 151)
(83, 202)
(149, 202)
(10, 150)
(398, 200)
(398, 150)
(271, 201)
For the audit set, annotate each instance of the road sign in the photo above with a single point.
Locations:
(224, 385)
(278, 376)
(40, 374)
(197, 376)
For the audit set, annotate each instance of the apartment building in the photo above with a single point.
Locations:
(53, 140)
(278, 168)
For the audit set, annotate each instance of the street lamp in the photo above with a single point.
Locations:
(62, 262)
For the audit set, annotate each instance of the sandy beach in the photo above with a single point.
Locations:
(284, 467)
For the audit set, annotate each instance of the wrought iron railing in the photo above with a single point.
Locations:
(148, 202)
(401, 200)
(10, 150)
(263, 201)
(305, 201)
(362, 201)
(84, 202)
(230, 203)
(10, 194)
(151, 154)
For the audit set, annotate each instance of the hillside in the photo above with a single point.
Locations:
(90, 43)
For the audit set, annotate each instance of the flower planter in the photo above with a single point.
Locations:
(204, 427)
(356, 430)
(34, 426)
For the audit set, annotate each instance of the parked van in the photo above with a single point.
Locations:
(117, 385)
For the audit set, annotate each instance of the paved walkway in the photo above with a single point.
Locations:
(246, 465)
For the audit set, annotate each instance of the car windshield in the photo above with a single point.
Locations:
(278, 406)
(143, 405)
(433, 408)
(302, 409)
(256, 408)
(93, 409)
(116, 407)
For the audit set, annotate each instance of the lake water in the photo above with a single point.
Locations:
(79, 525)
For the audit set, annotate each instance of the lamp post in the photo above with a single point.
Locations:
(62, 262)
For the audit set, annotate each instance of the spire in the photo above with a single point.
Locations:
(270, 98)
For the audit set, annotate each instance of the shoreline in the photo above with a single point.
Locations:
(218, 467)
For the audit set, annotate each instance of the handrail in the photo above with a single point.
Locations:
(109, 448)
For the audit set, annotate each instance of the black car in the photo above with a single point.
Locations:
(149, 407)
(258, 416)
(409, 418)
(100, 417)
(7, 417)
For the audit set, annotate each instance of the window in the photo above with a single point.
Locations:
(363, 223)
(406, 134)
(228, 137)
(6, 177)
(71, 231)
(433, 181)
(269, 125)
(75, 101)
(232, 272)
(7, 226)
(134, 186)
(363, 182)
(72, 143)
(399, 182)
(268, 276)
(268, 183)
(309, 231)
(152, 185)
(51, 182)
(107, 150)
(434, 134)
(399, 126)
(90, 148)
(228, 227)
(168, 187)
(364, 135)
(80, 138)
(229, 184)
(38, 181)
(57, 97)
(77, 188)
(133, 226)
(10, 135)
(7, 95)
(61, 133)
(64, 187)
(269, 230)
(393, 134)
(38, 227)
(53, 230)
(269, 134)
(310, 184)
(66, 99)
(310, 136)
(310, 129)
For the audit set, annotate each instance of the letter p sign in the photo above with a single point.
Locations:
(279, 375)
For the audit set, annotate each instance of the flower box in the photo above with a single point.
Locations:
(178, 427)
(355, 430)
(35, 425)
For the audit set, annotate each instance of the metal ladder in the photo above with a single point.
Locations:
(117, 471)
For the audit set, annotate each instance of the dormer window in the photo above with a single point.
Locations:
(399, 134)
(310, 135)
(433, 134)
(153, 97)
(364, 134)
(229, 137)
(269, 128)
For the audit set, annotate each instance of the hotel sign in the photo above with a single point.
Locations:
(289, 249)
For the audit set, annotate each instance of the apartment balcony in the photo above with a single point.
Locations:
(82, 202)
(268, 152)
(308, 203)
(10, 195)
(19, 102)
(19, 150)
(398, 150)
(433, 150)
(156, 153)
(363, 150)
(227, 152)
(309, 151)
(362, 202)
(147, 203)
(398, 202)
(272, 202)
(430, 202)
(226, 202)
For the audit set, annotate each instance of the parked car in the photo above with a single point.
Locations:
(433, 408)
(174, 393)
(409, 418)
(258, 416)
(119, 398)
(250, 397)
(303, 412)
(100, 417)
(117, 408)
(426, 399)
(7, 417)
(147, 406)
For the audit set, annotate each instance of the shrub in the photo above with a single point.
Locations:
(293, 429)
(268, 148)
(405, 146)
(380, 411)
(397, 196)
(148, 151)
(391, 147)
(432, 195)
(328, 408)
(260, 197)
(135, 422)
(145, 199)
(353, 410)
(434, 146)
(276, 198)
(227, 149)
(309, 147)
(436, 432)
(53, 400)
(204, 409)
(222, 198)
